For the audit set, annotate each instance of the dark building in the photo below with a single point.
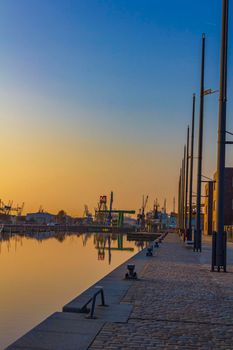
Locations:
(208, 208)
(210, 202)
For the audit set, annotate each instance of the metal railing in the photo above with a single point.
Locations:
(86, 310)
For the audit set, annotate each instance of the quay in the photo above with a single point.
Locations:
(176, 303)
(34, 228)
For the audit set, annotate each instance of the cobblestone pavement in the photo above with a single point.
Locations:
(177, 304)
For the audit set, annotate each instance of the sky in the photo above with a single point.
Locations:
(96, 96)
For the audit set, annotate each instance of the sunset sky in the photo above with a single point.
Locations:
(96, 96)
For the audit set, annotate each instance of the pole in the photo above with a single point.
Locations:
(186, 185)
(183, 190)
(220, 241)
(182, 198)
(198, 231)
(191, 172)
(110, 209)
(179, 187)
(180, 219)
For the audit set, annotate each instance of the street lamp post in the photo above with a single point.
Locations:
(197, 233)
(183, 190)
(189, 238)
(220, 238)
(186, 186)
(179, 200)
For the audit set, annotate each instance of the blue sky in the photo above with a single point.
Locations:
(117, 73)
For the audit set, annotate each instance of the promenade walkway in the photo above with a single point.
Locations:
(177, 304)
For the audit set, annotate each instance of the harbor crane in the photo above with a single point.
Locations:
(41, 209)
(86, 212)
(100, 212)
(141, 215)
(87, 215)
(164, 209)
(8, 208)
(107, 216)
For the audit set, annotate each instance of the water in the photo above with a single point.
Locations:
(41, 274)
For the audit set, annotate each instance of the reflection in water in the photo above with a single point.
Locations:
(102, 243)
(42, 272)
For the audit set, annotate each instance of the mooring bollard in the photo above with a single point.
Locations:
(131, 274)
(149, 251)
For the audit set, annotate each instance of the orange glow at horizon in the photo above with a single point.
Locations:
(60, 159)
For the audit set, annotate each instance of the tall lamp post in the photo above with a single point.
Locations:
(186, 187)
(183, 190)
(220, 258)
(179, 201)
(197, 232)
(189, 237)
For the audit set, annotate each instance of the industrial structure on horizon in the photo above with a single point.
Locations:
(105, 214)
(210, 202)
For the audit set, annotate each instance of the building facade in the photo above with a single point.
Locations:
(210, 202)
(40, 218)
(208, 208)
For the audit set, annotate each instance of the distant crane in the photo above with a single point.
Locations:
(155, 209)
(144, 204)
(165, 206)
(141, 215)
(8, 208)
(110, 209)
(87, 215)
(18, 209)
(101, 212)
(107, 216)
(86, 212)
(41, 209)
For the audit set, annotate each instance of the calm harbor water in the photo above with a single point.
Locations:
(42, 273)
